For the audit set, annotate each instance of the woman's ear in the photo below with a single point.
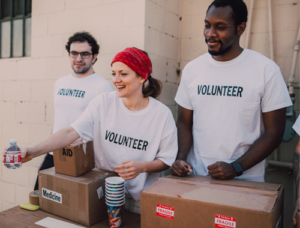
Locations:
(142, 80)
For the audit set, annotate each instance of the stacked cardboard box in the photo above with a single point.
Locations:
(73, 189)
(198, 201)
(80, 199)
(74, 160)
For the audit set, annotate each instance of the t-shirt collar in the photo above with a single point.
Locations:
(227, 63)
(84, 78)
(140, 112)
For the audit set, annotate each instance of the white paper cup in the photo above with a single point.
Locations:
(114, 180)
(113, 198)
(115, 195)
(114, 185)
(115, 203)
(122, 189)
(107, 192)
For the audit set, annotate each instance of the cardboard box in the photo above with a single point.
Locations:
(298, 220)
(72, 160)
(80, 199)
(199, 201)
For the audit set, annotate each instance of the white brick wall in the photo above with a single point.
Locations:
(8, 112)
(16, 91)
(14, 130)
(285, 27)
(7, 192)
(8, 69)
(6, 206)
(26, 84)
(29, 112)
(162, 43)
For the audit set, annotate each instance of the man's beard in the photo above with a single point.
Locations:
(221, 51)
(83, 71)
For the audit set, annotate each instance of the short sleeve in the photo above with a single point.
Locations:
(168, 146)
(84, 125)
(106, 88)
(276, 95)
(296, 126)
(182, 96)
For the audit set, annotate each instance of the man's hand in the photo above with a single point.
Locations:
(181, 168)
(130, 169)
(222, 171)
(25, 154)
(296, 210)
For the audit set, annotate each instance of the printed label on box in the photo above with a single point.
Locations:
(222, 221)
(165, 211)
(100, 192)
(51, 195)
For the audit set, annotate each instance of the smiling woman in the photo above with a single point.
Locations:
(133, 133)
(131, 70)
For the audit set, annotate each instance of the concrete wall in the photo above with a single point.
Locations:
(26, 84)
(286, 15)
(169, 30)
(162, 43)
(285, 27)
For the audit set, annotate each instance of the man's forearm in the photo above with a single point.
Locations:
(55, 141)
(260, 149)
(296, 168)
(185, 141)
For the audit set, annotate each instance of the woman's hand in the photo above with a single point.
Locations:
(26, 154)
(130, 169)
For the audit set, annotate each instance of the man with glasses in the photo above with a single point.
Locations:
(72, 93)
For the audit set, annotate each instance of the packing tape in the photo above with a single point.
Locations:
(34, 197)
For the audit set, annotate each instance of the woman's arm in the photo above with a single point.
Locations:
(60, 139)
(131, 168)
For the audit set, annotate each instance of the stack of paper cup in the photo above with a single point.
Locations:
(115, 200)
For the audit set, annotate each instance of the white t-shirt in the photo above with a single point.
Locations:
(120, 134)
(227, 99)
(296, 125)
(72, 96)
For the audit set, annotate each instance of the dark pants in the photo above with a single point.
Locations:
(47, 163)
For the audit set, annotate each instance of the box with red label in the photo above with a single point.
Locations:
(199, 201)
(75, 159)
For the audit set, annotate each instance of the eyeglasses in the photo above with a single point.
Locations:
(84, 55)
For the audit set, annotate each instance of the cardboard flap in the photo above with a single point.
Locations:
(91, 176)
(204, 191)
(237, 183)
(232, 198)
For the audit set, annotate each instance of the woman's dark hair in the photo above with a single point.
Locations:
(152, 87)
(83, 37)
(239, 9)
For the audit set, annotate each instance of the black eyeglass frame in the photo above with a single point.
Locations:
(80, 53)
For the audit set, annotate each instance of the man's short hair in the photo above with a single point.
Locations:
(239, 9)
(84, 37)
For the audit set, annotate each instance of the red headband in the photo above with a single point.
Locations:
(137, 60)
